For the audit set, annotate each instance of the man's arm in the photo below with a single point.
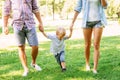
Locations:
(5, 24)
(37, 14)
(35, 10)
(6, 15)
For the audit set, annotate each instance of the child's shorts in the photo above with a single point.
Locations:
(25, 33)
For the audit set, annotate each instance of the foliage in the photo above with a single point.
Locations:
(113, 7)
(108, 69)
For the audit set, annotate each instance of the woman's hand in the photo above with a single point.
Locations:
(71, 27)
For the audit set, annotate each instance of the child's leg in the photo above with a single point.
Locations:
(63, 65)
(57, 58)
(62, 60)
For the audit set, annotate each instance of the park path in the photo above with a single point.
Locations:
(113, 29)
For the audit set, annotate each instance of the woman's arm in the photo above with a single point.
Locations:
(70, 34)
(77, 10)
(75, 17)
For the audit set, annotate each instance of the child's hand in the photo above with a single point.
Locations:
(44, 34)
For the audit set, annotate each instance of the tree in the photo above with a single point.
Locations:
(113, 8)
(68, 7)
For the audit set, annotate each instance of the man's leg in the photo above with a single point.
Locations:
(34, 54)
(33, 42)
(23, 59)
(20, 42)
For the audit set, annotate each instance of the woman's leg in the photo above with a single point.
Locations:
(97, 38)
(87, 37)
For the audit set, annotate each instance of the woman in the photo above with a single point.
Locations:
(93, 22)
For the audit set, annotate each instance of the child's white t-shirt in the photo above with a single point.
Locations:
(57, 45)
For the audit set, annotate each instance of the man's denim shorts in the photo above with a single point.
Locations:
(25, 33)
(94, 24)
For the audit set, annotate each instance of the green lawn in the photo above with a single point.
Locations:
(108, 69)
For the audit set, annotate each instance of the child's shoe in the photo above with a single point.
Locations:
(63, 69)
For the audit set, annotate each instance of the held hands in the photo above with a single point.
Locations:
(71, 29)
(40, 26)
(42, 29)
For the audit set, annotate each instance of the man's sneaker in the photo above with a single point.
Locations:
(38, 68)
(25, 73)
(94, 71)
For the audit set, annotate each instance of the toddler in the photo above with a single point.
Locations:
(58, 45)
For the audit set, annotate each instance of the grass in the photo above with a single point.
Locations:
(109, 62)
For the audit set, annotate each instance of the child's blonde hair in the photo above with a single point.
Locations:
(60, 30)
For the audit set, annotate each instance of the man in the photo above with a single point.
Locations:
(24, 28)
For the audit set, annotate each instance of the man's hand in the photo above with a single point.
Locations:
(6, 30)
(40, 26)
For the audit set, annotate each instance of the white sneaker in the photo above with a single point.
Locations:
(87, 68)
(25, 73)
(95, 72)
(38, 68)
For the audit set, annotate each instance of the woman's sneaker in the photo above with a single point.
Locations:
(87, 68)
(63, 69)
(38, 68)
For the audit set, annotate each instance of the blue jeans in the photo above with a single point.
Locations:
(60, 57)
